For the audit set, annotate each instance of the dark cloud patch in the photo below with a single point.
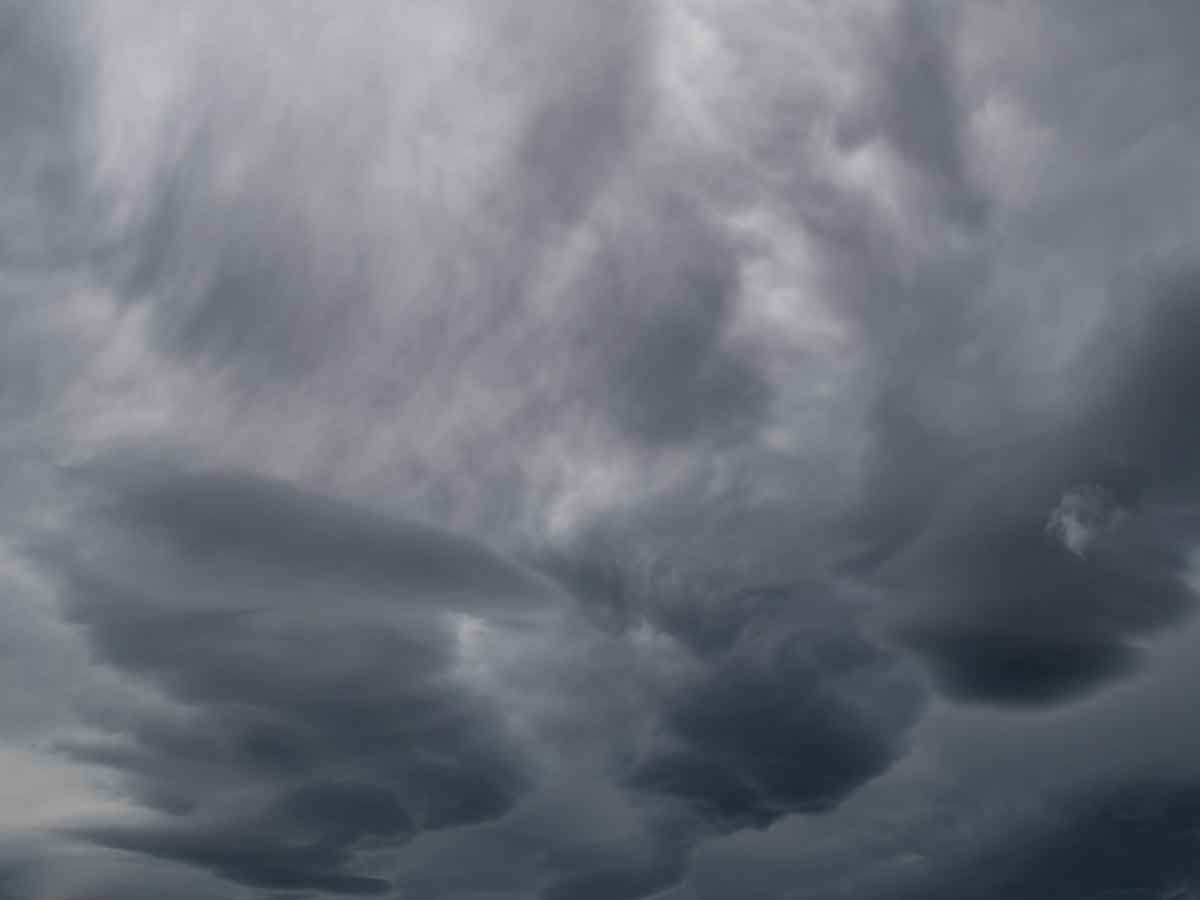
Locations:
(789, 708)
(1035, 599)
(212, 516)
(1021, 669)
(1147, 408)
(675, 381)
(276, 853)
(685, 278)
(618, 880)
(14, 881)
(792, 718)
(595, 573)
(908, 462)
(711, 622)
(251, 858)
(306, 728)
(367, 743)
(1132, 840)
(1047, 561)
(44, 866)
(773, 703)
(663, 288)
(966, 466)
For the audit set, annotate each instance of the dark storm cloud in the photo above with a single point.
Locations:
(234, 516)
(975, 665)
(1147, 412)
(778, 705)
(1135, 840)
(1018, 618)
(13, 881)
(794, 711)
(890, 304)
(1047, 566)
(969, 478)
(41, 866)
(254, 857)
(305, 730)
(365, 748)
(625, 880)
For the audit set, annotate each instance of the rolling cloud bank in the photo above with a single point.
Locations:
(572, 450)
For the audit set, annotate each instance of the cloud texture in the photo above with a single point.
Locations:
(546, 449)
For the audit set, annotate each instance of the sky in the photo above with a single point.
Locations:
(577, 450)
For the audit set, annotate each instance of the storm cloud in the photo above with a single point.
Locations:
(536, 449)
(794, 714)
(316, 710)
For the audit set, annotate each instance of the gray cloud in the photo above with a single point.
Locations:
(512, 348)
(45, 219)
(796, 714)
(663, 296)
(310, 724)
(267, 281)
(1135, 840)
(966, 468)
(620, 882)
(220, 516)
(915, 106)
(321, 717)
(1024, 617)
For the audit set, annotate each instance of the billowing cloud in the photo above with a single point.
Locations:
(793, 715)
(317, 704)
(597, 450)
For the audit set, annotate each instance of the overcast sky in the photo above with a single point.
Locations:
(599, 449)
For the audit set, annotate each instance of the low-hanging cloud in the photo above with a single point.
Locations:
(317, 710)
(574, 450)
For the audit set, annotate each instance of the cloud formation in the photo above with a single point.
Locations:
(791, 716)
(542, 449)
(304, 655)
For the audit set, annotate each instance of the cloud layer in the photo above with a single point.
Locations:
(542, 450)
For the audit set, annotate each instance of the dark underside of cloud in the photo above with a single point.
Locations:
(306, 644)
(1026, 620)
(234, 517)
(1137, 840)
(777, 723)
(317, 713)
(547, 449)
(1047, 561)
